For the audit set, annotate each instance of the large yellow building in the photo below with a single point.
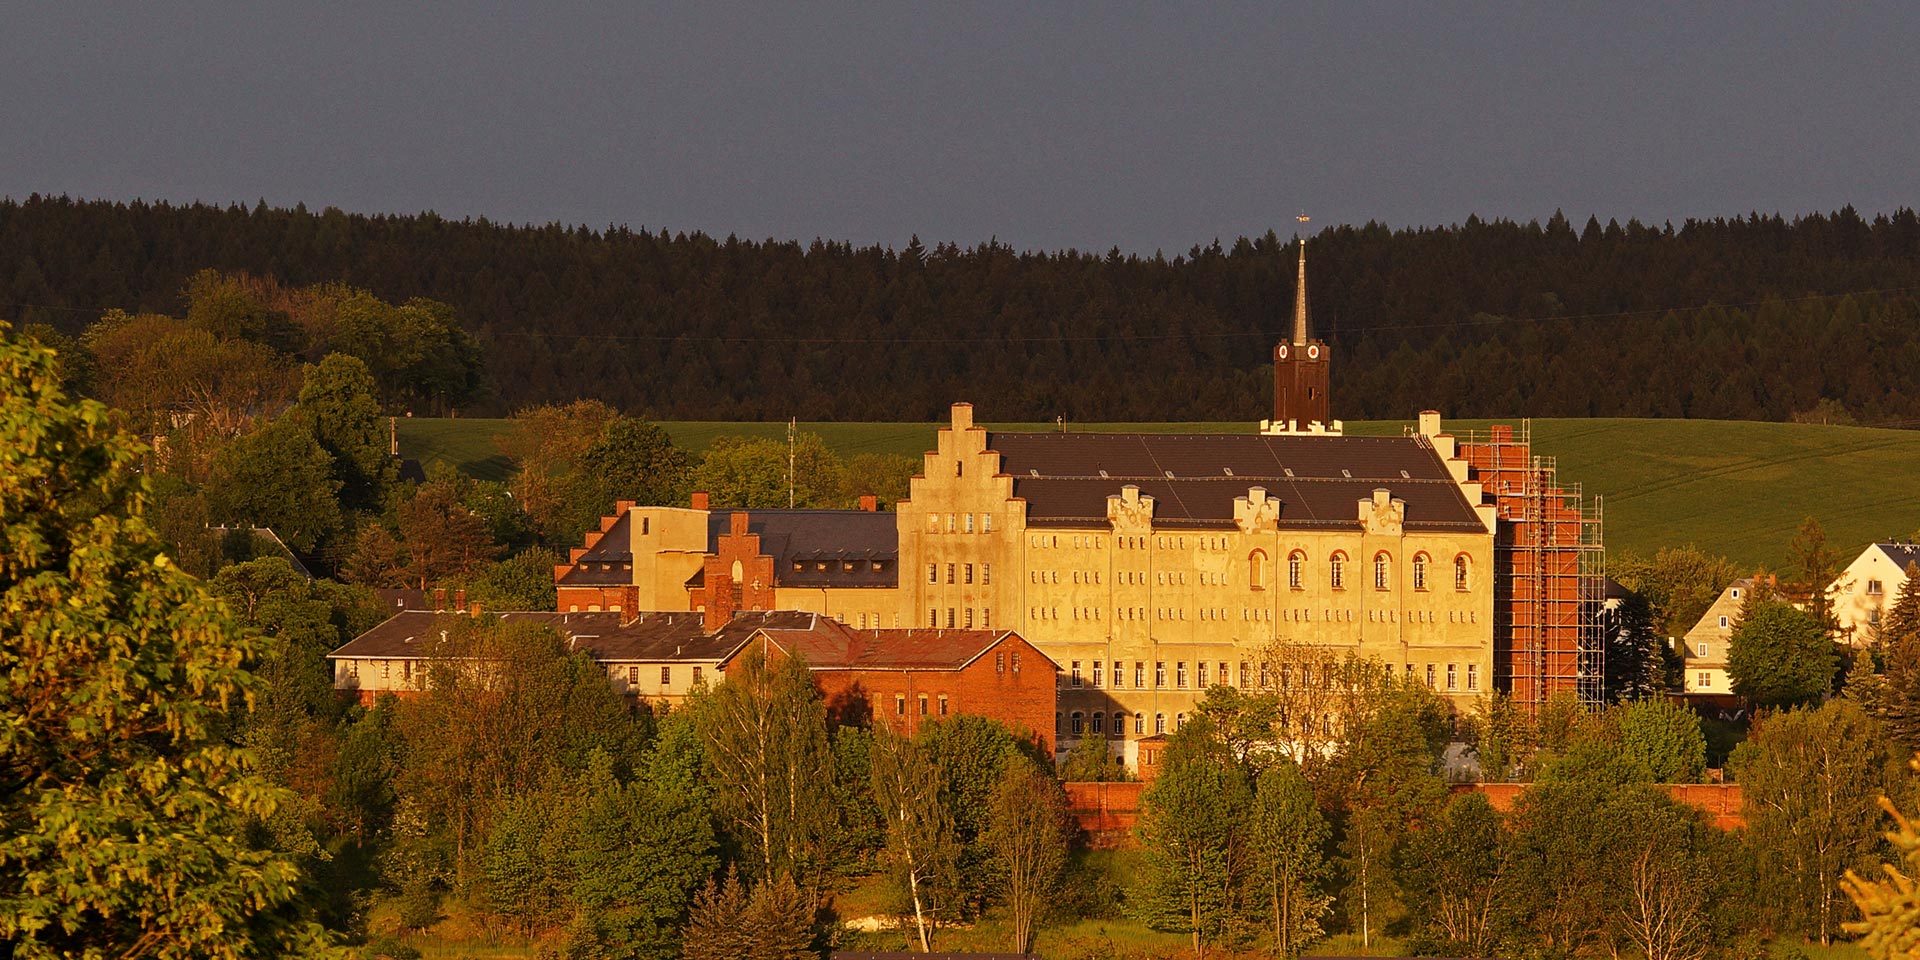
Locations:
(1149, 566)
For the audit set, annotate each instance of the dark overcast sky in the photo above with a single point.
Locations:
(1044, 125)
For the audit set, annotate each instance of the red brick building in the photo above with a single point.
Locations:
(905, 678)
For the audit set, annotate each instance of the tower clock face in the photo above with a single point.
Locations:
(1283, 351)
(1313, 351)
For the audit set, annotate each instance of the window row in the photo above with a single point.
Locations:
(926, 708)
(1079, 724)
(1337, 571)
(960, 523)
(960, 618)
(962, 573)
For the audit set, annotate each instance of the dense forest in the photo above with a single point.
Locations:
(1757, 318)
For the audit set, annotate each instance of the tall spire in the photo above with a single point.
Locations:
(1300, 291)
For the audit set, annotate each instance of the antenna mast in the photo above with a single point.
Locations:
(793, 426)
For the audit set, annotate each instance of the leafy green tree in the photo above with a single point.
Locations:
(1385, 782)
(1809, 778)
(1028, 835)
(1285, 835)
(764, 732)
(752, 472)
(1248, 722)
(1454, 874)
(225, 306)
(634, 459)
(922, 851)
(1502, 735)
(1193, 836)
(338, 406)
(156, 368)
(125, 808)
(1780, 656)
(1665, 739)
(416, 352)
(1089, 761)
(277, 477)
(970, 752)
(442, 536)
(523, 581)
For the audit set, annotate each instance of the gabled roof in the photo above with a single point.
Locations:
(830, 645)
(821, 548)
(667, 636)
(1194, 479)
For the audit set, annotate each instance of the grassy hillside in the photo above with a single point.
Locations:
(1734, 487)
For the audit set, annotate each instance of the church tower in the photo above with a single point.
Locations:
(1300, 370)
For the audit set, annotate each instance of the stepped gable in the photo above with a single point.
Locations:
(1194, 479)
(606, 557)
(819, 548)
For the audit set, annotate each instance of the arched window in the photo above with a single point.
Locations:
(1419, 571)
(1099, 723)
(1382, 571)
(1078, 723)
(1460, 572)
(1159, 723)
(1337, 571)
(1296, 570)
(1257, 570)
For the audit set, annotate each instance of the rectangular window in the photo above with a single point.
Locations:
(1139, 675)
(1139, 723)
(1016, 661)
(1723, 622)
(943, 705)
(951, 522)
(1077, 724)
(986, 618)
(1705, 650)
(666, 676)
(933, 523)
(633, 676)
(969, 618)
(1119, 675)
(1473, 676)
(969, 523)
(933, 573)
(1096, 673)
(1200, 675)
(923, 704)
(1452, 683)
(899, 705)
(1159, 674)
(696, 676)
(1180, 674)
(1076, 673)
(1873, 588)
(986, 574)
(1099, 723)
(999, 662)
(933, 617)
(1705, 680)
(1243, 674)
(949, 618)
(1430, 683)
(968, 577)
(949, 573)
(986, 523)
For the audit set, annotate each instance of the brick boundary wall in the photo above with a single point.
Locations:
(1108, 812)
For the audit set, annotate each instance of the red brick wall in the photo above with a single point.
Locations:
(1024, 701)
(1721, 801)
(1106, 811)
(719, 595)
(588, 597)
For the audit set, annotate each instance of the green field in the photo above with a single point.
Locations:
(1736, 488)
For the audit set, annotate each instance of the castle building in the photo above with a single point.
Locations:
(1150, 567)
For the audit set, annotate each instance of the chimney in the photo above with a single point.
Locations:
(439, 599)
(460, 600)
(629, 604)
(737, 523)
(714, 616)
(475, 609)
(700, 500)
(869, 503)
(1429, 423)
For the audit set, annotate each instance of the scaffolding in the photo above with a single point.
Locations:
(1549, 571)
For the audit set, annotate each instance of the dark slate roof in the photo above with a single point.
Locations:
(831, 548)
(830, 645)
(396, 599)
(613, 551)
(1902, 552)
(1066, 478)
(679, 635)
